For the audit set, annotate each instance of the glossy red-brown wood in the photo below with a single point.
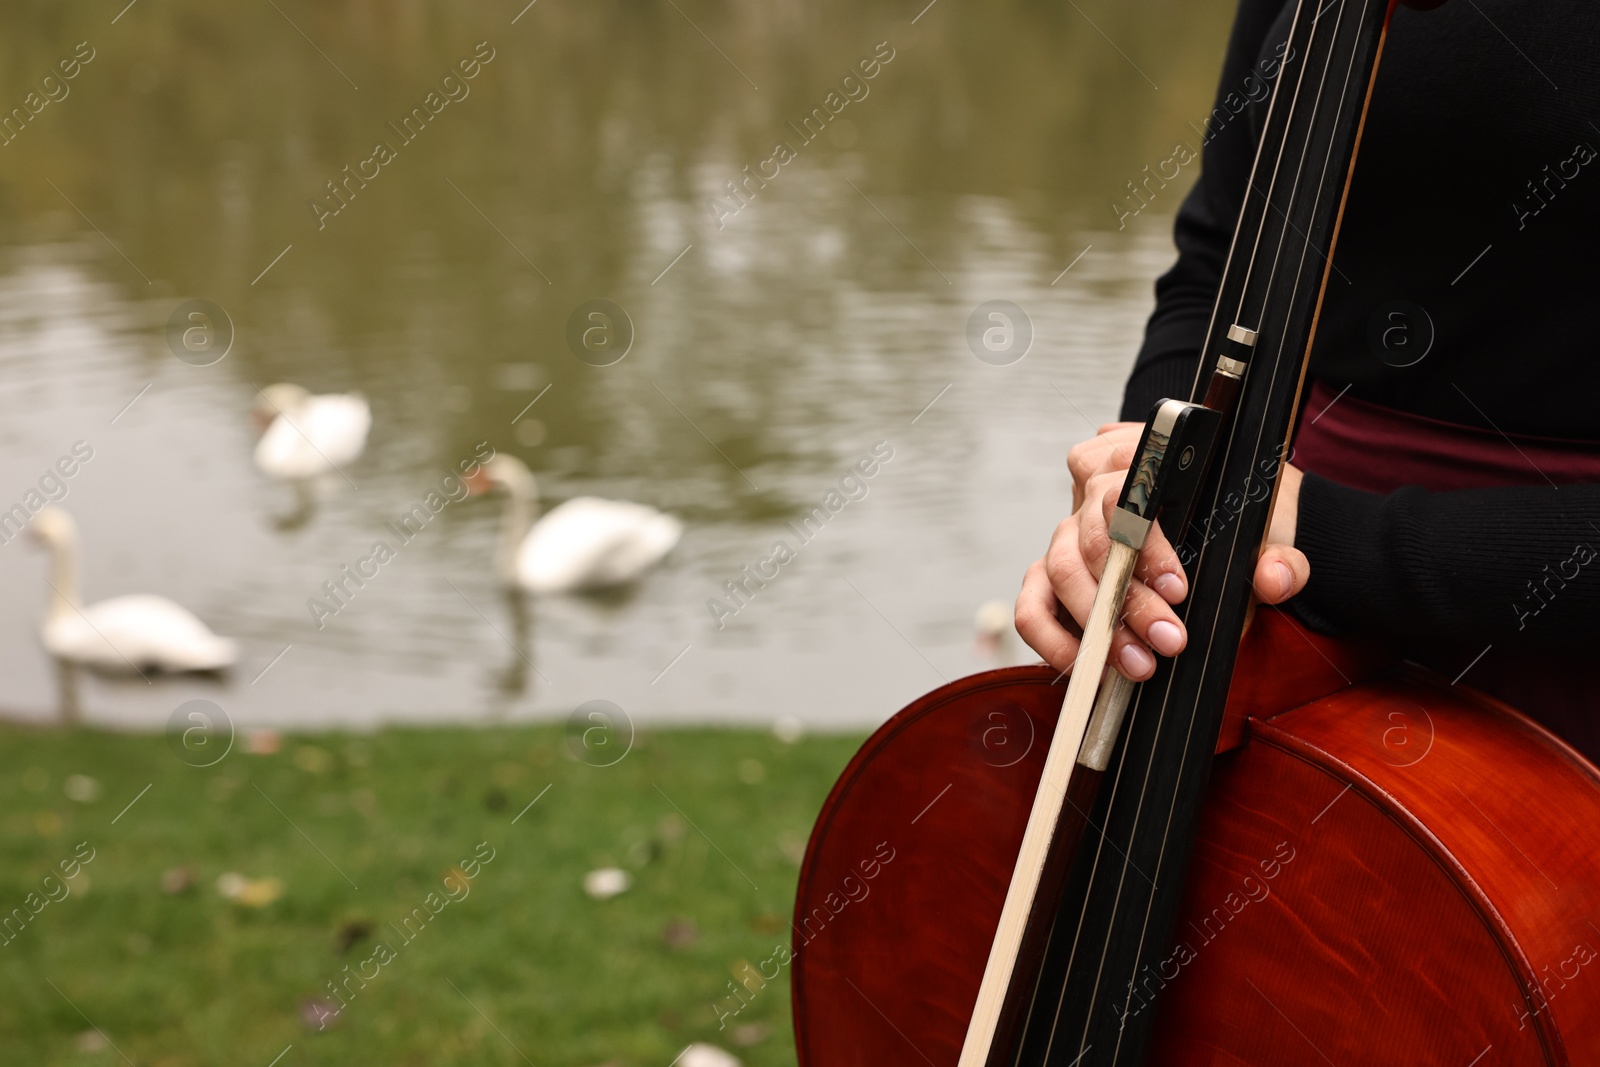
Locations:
(1299, 666)
(1435, 904)
(940, 787)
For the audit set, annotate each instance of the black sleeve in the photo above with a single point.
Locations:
(1204, 228)
(1513, 566)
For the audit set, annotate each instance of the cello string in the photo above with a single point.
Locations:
(1300, 277)
(1116, 795)
(1255, 249)
(1233, 242)
(1283, 234)
(1327, 69)
(1117, 778)
(1099, 851)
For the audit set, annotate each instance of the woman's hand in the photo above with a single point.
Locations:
(1058, 590)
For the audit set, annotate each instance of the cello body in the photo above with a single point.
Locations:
(1388, 870)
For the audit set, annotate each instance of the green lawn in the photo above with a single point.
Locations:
(524, 958)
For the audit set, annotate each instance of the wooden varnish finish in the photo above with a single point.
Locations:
(1464, 874)
(947, 784)
(1437, 905)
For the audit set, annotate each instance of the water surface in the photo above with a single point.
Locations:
(779, 338)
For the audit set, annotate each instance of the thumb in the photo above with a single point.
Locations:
(1281, 572)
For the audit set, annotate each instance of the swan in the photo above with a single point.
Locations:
(125, 631)
(307, 435)
(585, 543)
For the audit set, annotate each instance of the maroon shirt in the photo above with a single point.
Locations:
(1377, 450)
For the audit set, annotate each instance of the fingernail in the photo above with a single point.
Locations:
(1285, 579)
(1137, 661)
(1166, 637)
(1168, 587)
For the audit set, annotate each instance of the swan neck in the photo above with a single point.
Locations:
(64, 575)
(522, 508)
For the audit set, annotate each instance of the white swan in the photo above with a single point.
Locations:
(125, 631)
(585, 543)
(308, 435)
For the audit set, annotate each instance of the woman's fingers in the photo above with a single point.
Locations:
(1061, 588)
(1068, 581)
(1088, 458)
(1037, 621)
(1071, 577)
(1075, 562)
(1147, 615)
(1094, 519)
(1281, 572)
(1158, 566)
(1111, 450)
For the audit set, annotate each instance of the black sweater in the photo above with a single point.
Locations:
(1473, 101)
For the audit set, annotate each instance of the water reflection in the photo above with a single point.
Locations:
(772, 347)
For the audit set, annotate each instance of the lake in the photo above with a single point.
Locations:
(800, 214)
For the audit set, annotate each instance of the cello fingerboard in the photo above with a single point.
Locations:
(1114, 926)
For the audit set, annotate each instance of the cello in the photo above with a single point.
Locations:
(1280, 849)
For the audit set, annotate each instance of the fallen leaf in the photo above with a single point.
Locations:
(793, 849)
(175, 880)
(749, 1034)
(679, 934)
(745, 973)
(263, 742)
(259, 892)
(769, 924)
(788, 729)
(700, 1054)
(352, 931)
(319, 1014)
(606, 882)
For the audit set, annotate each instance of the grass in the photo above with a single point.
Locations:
(525, 967)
